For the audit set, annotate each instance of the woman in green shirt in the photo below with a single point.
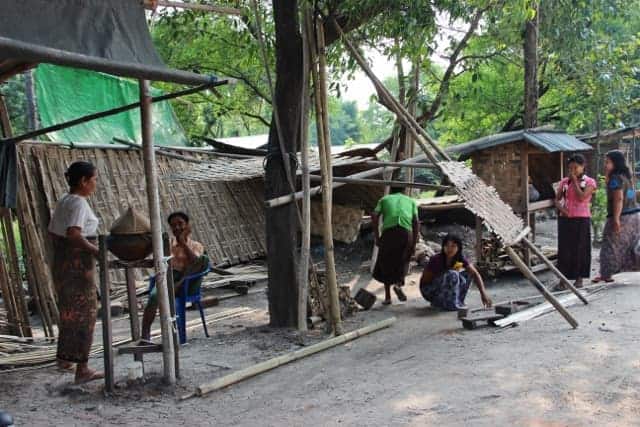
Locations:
(397, 243)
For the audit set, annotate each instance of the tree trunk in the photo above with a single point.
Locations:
(282, 221)
(530, 118)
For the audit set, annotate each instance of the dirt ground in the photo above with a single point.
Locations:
(424, 370)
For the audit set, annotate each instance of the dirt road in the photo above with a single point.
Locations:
(425, 370)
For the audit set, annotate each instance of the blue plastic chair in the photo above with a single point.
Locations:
(183, 299)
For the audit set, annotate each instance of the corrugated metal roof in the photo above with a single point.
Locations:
(548, 141)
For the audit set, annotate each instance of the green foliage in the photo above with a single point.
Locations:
(599, 209)
(13, 92)
(344, 123)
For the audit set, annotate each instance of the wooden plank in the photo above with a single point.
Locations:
(541, 204)
(383, 182)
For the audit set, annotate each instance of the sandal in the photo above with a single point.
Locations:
(600, 279)
(91, 376)
(386, 302)
(400, 293)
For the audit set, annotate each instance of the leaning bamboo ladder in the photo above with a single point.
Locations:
(479, 198)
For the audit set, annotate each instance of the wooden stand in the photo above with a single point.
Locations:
(132, 301)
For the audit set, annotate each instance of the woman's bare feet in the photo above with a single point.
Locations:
(603, 279)
(85, 375)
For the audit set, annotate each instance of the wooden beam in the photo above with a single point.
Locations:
(383, 182)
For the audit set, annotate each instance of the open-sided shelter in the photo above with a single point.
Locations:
(507, 161)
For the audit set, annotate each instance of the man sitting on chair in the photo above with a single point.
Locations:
(188, 258)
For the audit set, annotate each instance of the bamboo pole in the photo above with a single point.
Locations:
(383, 182)
(305, 244)
(554, 269)
(288, 198)
(324, 143)
(270, 364)
(201, 7)
(400, 164)
(419, 134)
(151, 177)
(539, 286)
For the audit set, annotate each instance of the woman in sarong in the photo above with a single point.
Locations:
(620, 249)
(446, 278)
(73, 230)
(573, 201)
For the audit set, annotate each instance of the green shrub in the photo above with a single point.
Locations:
(599, 209)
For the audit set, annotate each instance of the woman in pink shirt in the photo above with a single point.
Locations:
(573, 200)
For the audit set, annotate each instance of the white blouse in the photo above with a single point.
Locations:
(73, 211)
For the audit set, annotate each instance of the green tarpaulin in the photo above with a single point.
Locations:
(65, 93)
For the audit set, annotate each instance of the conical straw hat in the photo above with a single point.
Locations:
(131, 222)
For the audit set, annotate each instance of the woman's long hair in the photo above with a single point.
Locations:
(458, 256)
(619, 163)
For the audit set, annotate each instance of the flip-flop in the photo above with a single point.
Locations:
(92, 377)
(400, 293)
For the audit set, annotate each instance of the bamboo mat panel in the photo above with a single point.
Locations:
(484, 201)
(239, 170)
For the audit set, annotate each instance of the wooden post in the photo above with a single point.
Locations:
(554, 270)
(5, 122)
(524, 268)
(324, 144)
(524, 178)
(479, 225)
(151, 177)
(105, 304)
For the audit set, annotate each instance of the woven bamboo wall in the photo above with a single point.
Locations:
(500, 167)
(226, 217)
